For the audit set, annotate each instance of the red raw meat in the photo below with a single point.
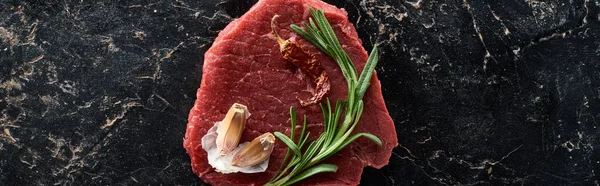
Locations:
(244, 66)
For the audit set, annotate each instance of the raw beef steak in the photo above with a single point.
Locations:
(244, 66)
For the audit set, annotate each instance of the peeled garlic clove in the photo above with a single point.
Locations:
(230, 131)
(255, 152)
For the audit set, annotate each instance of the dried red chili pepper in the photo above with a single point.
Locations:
(307, 63)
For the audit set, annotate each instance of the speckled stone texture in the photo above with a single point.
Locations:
(481, 92)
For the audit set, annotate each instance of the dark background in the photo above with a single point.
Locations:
(481, 92)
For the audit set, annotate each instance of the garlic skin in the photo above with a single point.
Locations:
(223, 164)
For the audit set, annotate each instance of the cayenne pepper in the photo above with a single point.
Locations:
(307, 62)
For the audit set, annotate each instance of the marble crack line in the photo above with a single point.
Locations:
(31, 35)
(510, 153)
(440, 180)
(182, 6)
(477, 183)
(416, 5)
(171, 51)
(559, 35)
(5, 121)
(421, 168)
(162, 169)
(142, 6)
(359, 15)
(8, 137)
(424, 141)
(557, 176)
(59, 143)
(36, 59)
(403, 157)
(125, 109)
(220, 14)
(110, 45)
(369, 11)
(33, 162)
(587, 12)
(477, 30)
(506, 31)
(164, 101)
(9, 37)
(12, 38)
(157, 70)
(484, 163)
(409, 152)
(78, 161)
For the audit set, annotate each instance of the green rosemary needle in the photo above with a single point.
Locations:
(300, 164)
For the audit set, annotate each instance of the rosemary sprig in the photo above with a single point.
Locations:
(303, 164)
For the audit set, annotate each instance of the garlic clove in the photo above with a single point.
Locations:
(255, 152)
(230, 132)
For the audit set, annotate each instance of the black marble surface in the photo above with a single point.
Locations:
(481, 92)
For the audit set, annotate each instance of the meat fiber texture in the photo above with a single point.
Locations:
(244, 66)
